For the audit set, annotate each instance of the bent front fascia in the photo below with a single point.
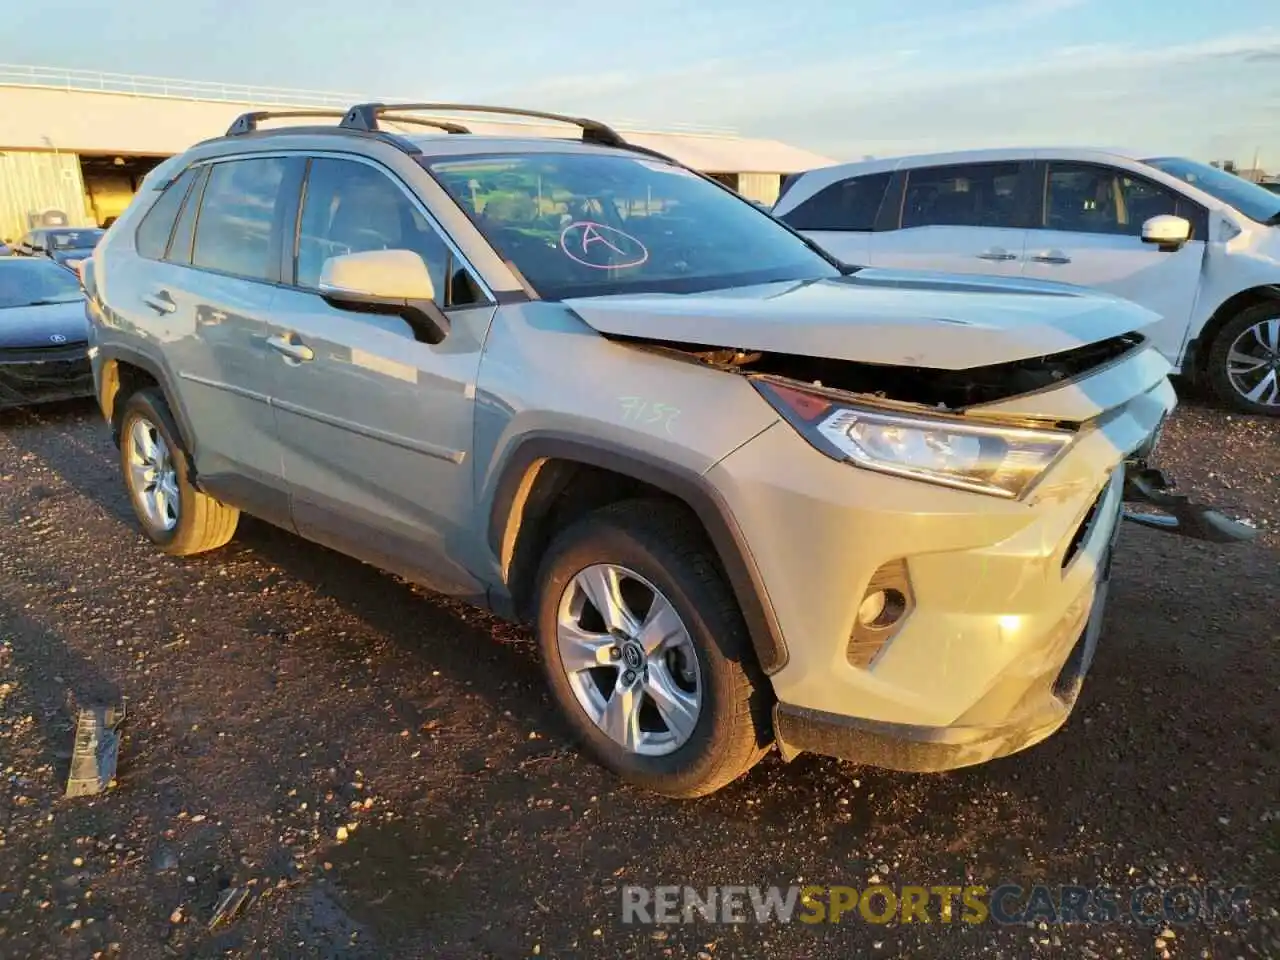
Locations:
(995, 612)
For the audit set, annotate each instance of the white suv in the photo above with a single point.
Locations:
(1198, 245)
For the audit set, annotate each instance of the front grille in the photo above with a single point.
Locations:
(53, 352)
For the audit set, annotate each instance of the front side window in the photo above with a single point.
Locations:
(1253, 201)
(966, 195)
(26, 283)
(152, 237)
(586, 224)
(237, 213)
(850, 204)
(1089, 199)
(350, 207)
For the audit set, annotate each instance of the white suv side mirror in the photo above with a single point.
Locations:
(394, 282)
(1167, 231)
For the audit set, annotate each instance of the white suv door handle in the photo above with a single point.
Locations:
(995, 253)
(291, 349)
(1051, 256)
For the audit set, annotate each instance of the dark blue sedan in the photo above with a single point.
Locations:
(43, 333)
(63, 245)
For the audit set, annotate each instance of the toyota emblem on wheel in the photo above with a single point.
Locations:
(57, 338)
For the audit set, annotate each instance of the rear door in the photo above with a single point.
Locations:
(375, 427)
(210, 298)
(957, 218)
(1089, 232)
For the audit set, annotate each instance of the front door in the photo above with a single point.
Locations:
(376, 428)
(960, 218)
(1092, 236)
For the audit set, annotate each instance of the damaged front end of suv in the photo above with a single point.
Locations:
(951, 618)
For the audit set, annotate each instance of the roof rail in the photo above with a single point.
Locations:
(364, 116)
(248, 122)
(444, 125)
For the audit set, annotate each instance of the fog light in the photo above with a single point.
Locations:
(884, 607)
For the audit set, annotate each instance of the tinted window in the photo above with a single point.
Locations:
(350, 207)
(847, 205)
(973, 195)
(184, 232)
(233, 234)
(152, 237)
(1255, 202)
(581, 224)
(74, 239)
(1089, 199)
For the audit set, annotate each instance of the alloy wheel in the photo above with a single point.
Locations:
(153, 479)
(630, 659)
(1253, 363)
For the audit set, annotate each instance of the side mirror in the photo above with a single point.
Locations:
(1167, 232)
(390, 282)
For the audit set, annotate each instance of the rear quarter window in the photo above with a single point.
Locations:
(152, 236)
(850, 204)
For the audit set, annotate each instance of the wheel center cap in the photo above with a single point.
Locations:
(633, 656)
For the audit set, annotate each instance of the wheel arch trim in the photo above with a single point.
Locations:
(518, 476)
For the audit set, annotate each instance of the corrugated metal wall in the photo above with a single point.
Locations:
(763, 187)
(31, 181)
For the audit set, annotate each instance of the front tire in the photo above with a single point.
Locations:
(1244, 361)
(646, 652)
(175, 516)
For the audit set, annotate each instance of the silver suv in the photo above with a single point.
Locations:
(746, 494)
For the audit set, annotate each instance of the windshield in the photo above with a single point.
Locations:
(583, 224)
(74, 239)
(25, 282)
(1249, 198)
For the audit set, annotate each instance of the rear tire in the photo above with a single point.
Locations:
(1245, 359)
(647, 547)
(175, 516)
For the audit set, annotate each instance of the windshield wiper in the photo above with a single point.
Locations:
(50, 301)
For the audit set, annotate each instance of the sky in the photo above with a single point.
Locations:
(845, 78)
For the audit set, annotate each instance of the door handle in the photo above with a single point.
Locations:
(996, 255)
(292, 350)
(160, 302)
(1051, 258)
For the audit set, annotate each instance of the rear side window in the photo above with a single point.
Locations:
(237, 215)
(185, 230)
(152, 237)
(968, 195)
(850, 204)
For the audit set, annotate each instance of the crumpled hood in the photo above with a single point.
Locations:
(41, 326)
(901, 318)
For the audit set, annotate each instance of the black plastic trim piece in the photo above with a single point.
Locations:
(690, 488)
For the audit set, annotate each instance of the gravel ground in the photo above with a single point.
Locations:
(385, 773)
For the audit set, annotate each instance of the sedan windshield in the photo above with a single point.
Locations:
(26, 282)
(74, 239)
(586, 224)
(1250, 199)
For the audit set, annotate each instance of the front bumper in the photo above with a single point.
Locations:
(1005, 598)
(44, 375)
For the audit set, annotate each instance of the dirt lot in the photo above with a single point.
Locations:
(278, 692)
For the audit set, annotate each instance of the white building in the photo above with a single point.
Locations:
(80, 142)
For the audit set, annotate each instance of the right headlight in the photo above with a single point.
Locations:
(1000, 461)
